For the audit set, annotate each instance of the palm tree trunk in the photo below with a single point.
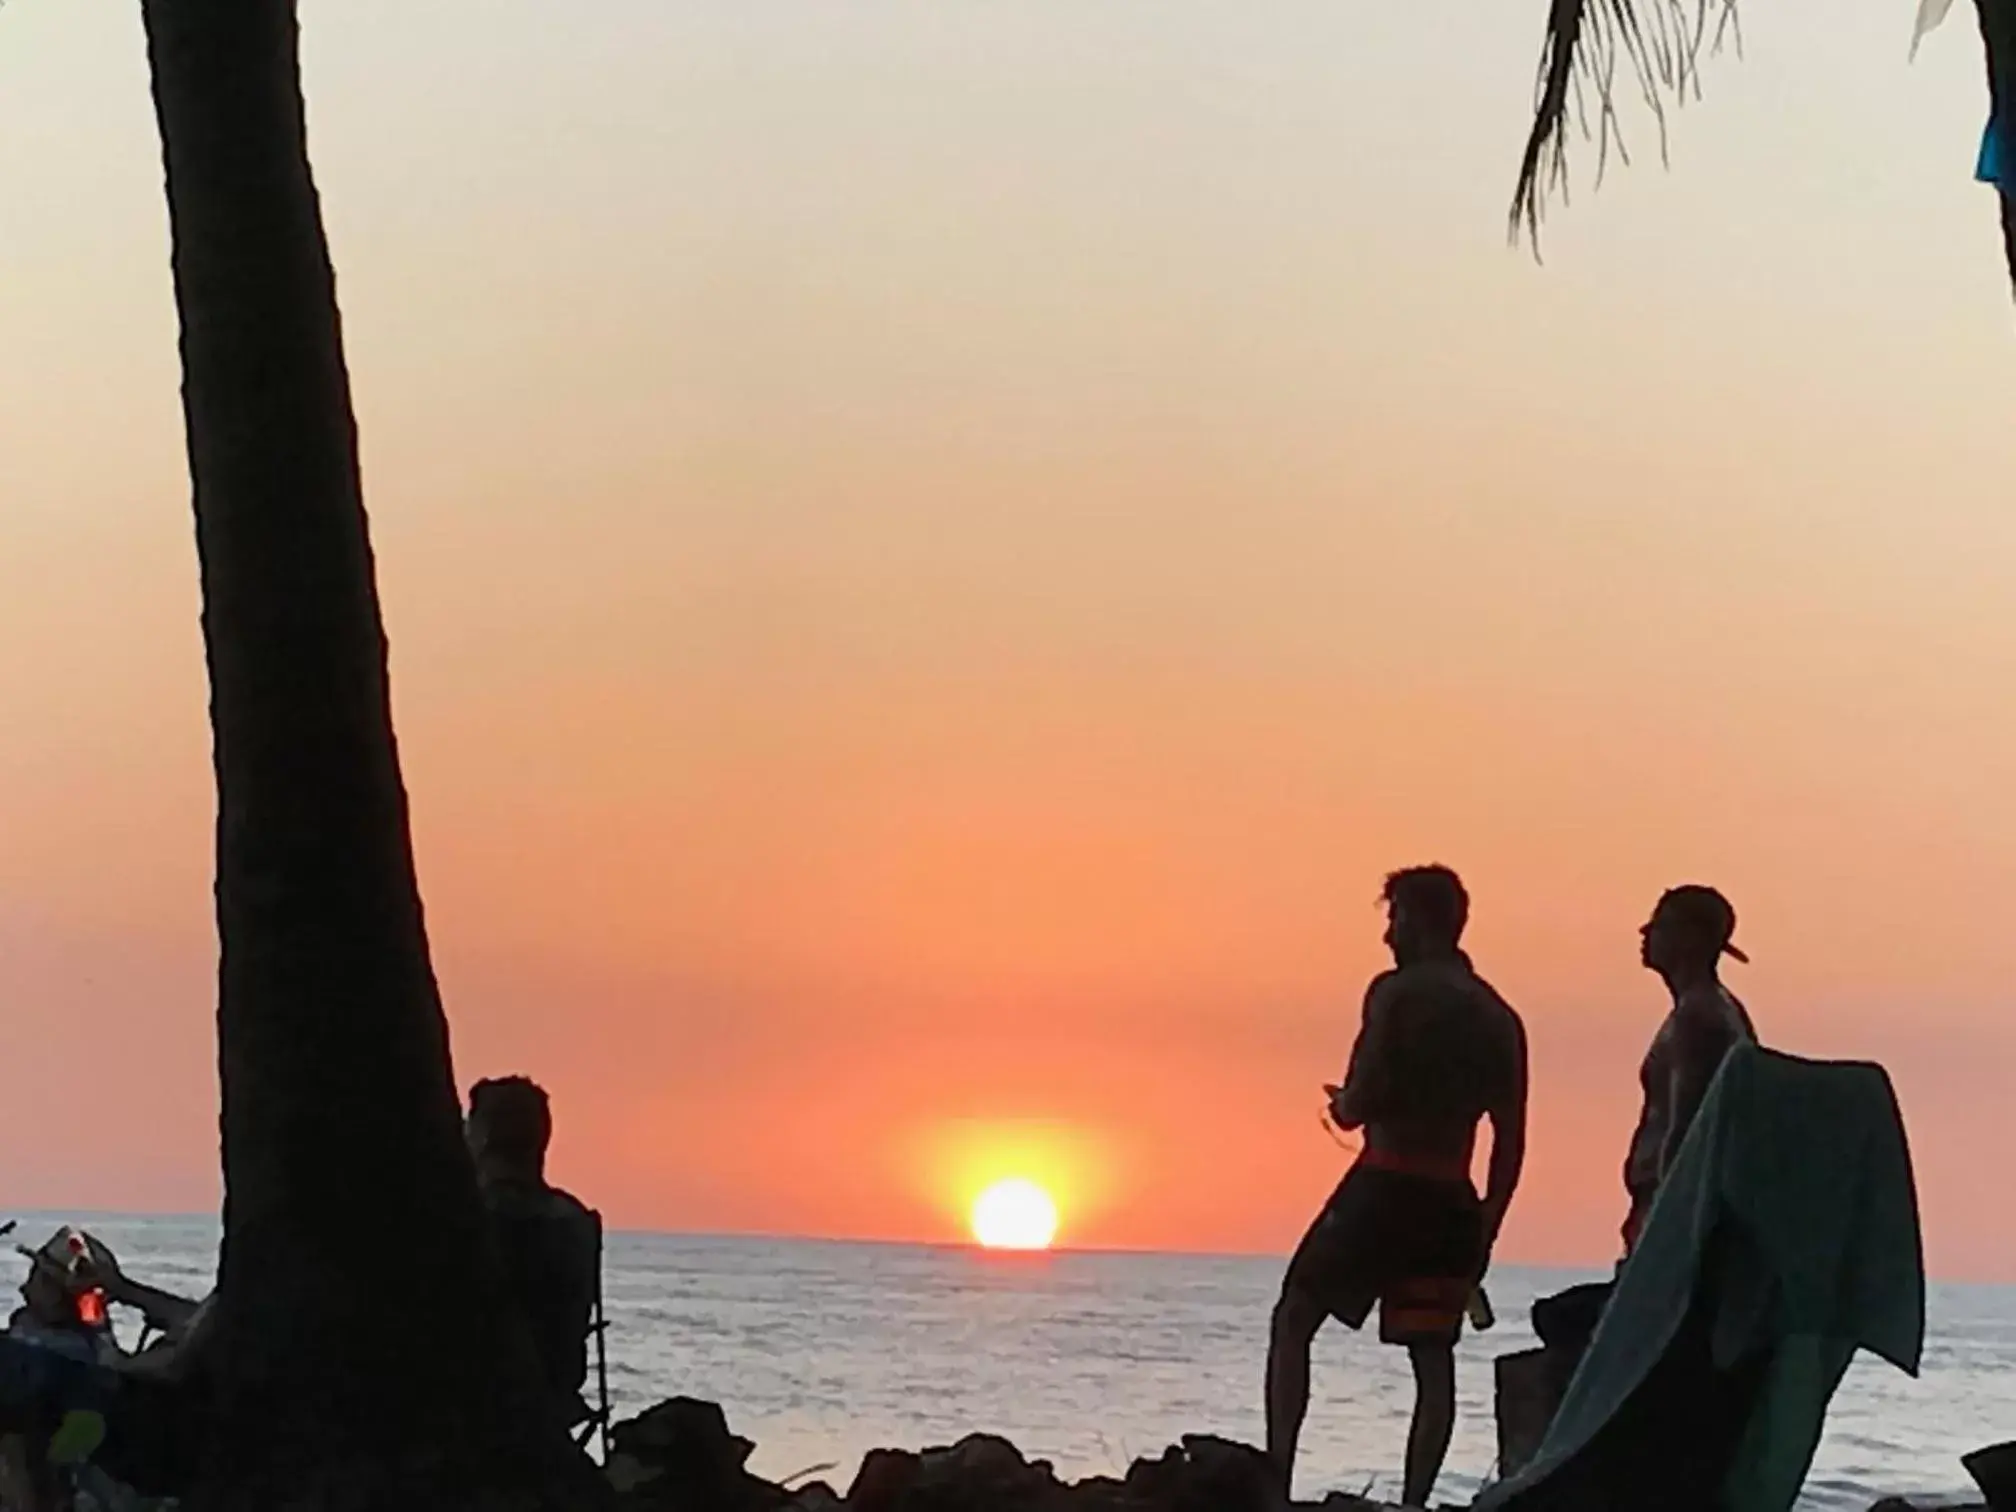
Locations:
(2009, 235)
(1998, 37)
(359, 1362)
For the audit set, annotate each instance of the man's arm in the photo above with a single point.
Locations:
(1508, 1137)
(1696, 1055)
(176, 1356)
(1358, 1101)
(163, 1310)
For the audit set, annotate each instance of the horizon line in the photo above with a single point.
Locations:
(782, 1236)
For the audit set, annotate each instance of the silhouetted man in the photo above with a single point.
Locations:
(1438, 1051)
(1689, 932)
(550, 1244)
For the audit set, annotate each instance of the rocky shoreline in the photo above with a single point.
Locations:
(681, 1456)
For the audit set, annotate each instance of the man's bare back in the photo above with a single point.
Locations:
(1440, 1050)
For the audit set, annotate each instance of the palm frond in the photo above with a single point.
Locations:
(1591, 47)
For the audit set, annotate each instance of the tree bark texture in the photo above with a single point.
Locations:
(1998, 36)
(360, 1359)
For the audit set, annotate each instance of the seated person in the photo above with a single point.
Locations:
(178, 1324)
(62, 1307)
(152, 1401)
(550, 1244)
(57, 1383)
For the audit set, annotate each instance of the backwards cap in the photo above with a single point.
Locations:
(1706, 911)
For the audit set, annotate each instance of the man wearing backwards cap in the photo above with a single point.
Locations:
(1684, 941)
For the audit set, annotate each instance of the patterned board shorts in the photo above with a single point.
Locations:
(1411, 1244)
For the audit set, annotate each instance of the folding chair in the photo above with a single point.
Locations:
(596, 1425)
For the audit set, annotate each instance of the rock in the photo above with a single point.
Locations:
(815, 1496)
(984, 1469)
(884, 1479)
(680, 1457)
(683, 1429)
(1205, 1474)
(626, 1472)
(1100, 1493)
(1994, 1471)
(983, 1472)
(983, 1455)
(1524, 1401)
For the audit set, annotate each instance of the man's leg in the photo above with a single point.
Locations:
(1434, 1418)
(1296, 1320)
(1328, 1277)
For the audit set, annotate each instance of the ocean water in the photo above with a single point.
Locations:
(821, 1351)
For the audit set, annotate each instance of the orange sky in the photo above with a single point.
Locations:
(934, 560)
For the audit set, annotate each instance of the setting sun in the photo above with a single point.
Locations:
(1014, 1214)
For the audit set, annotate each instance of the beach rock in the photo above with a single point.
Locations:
(1099, 1493)
(681, 1457)
(1994, 1471)
(884, 1479)
(692, 1432)
(981, 1473)
(1204, 1473)
(985, 1469)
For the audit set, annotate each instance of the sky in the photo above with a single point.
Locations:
(934, 556)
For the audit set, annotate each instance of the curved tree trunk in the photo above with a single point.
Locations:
(1998, 37)
(358, 1359)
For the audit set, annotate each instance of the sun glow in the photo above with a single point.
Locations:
(1015, 1214)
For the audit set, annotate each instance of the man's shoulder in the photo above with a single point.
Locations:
(568, 1208)
(1500, 1018)
(549, 1203)
(1422, 976)
(582, 1225)
(1388, 994)
(1696, 1033)
(1708, 1013)
(1486, 989)
(1497, 1023)
(1454, 977)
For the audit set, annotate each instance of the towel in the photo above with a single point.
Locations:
(1784, 1239)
